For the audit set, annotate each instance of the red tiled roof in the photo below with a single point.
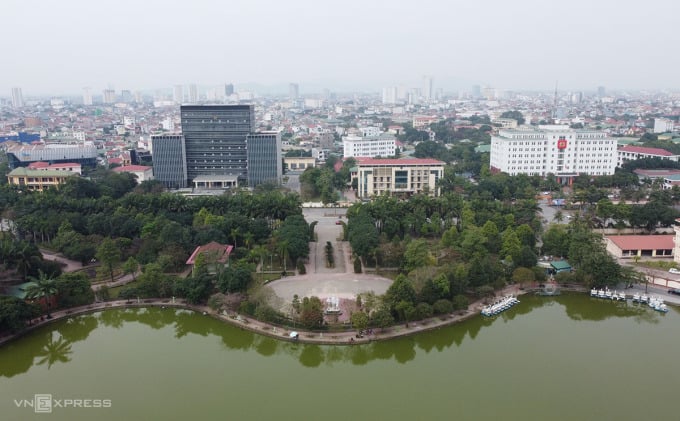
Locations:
(131, 168)
(642, 242)
(409, 161)
(644, 150)
(222, 251)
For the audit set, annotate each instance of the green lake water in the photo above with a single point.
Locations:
(549, 358)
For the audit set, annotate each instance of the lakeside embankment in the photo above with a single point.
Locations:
(280, 333)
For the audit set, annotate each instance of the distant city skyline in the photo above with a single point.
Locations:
(61, 47)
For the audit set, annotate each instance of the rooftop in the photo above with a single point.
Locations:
(645, 150)
(642, 242)
(221, 252)
(397, 162)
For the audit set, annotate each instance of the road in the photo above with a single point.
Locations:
(340, 281)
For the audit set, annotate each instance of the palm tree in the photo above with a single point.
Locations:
(44, 287)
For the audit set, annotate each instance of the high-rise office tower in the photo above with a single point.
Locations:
(193, 94)
(265, 162)
(293, 91)
(476, 91)
(215, 139)
(169, 163)
(17, 98)
(178, 94)
(427, 88)
(228, 89)
(601, 91)
(87, 96)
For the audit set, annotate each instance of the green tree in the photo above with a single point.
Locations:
(14, 313)
(130, 267)
(44, 288)
(311, 313)
(108, 254)
(382, 318)
(359, 320)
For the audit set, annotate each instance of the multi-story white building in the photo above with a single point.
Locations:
(17, 98)
(554, 149)
(663, 125)
(403, 177)
(632, 153)
(382, 145)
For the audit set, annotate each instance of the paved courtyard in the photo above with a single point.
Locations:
(321, 281)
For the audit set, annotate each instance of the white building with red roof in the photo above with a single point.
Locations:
(632, 153)
(628, 246)
(67, 166)
(142, 172)
(401, 177)
(215, 255)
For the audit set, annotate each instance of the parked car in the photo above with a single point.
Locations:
(674, 271)
(338, 222)
(674, 291)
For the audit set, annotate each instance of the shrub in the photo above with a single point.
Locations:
(460, 302)
(442, 307)
(301, 268)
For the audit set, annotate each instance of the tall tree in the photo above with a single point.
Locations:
(108, 254)
(44, 288)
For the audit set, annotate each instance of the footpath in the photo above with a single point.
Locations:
(262, 328)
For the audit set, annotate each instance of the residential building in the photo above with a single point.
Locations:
(554, 149)
(37, 180)
(193, 94)
(663, 125)
(382, 145)
(17, 98)
(215, 142)
(632, 153)
(320, 154)
(293, 91)
(402, 177)
(87, 96)
(109, 96)
(428, 93)
(178, 94)
(169, 162)
(265, 163)
(505, 123)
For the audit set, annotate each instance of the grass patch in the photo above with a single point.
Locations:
(657, 264)
(115, 291)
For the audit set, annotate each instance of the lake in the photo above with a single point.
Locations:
(562, 358)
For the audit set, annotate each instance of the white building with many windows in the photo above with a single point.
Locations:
(554, 149)
(382, 145)
(401, 177)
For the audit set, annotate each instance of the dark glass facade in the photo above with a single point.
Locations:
(265, 163)
(215, 139)
(169, 165)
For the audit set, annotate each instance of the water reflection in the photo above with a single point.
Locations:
(53, 344)
(55, 351)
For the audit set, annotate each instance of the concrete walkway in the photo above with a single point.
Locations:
(262, 328)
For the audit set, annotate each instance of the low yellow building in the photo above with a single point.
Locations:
(37, 180)
(401, 177)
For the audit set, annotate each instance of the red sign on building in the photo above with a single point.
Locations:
(562, 144)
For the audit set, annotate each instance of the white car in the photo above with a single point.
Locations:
(674, 271)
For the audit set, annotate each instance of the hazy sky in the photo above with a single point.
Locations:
(59, 47)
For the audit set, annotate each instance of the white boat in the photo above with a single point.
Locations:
(636, 298)
(593, 292)
(499, 306)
